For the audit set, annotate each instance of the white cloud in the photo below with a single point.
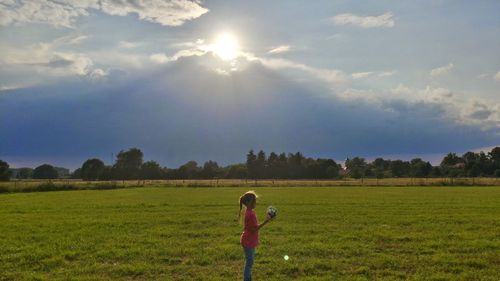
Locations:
(442, 70)
(280, 49)
(65, 13)
(484, 76)
(7, 87)
(128, 44)
(479, 111)
(63, 64)
(497, 76)
(385, 20)
(469, 111)
(386, 73)
(359, 75)
(159, 58)
(431, 94)
(44, 62)
(173, 13)
(401, 90)
(70, 40)
(331, 76)
(98, 74)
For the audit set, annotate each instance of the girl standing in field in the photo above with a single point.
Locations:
(250, 236)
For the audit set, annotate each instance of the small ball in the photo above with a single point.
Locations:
(272, 211)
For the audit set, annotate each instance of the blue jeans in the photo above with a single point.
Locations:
(249, 255)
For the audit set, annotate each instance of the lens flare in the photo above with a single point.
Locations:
(226, 46)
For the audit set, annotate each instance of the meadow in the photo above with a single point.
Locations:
(34, 185)
(329, 233)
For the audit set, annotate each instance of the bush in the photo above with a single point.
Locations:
(49, 186)
(497, 173)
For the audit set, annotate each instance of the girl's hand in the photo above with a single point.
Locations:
(269, 218)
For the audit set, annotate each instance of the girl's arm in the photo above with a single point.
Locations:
(257, 227)
(268, 219)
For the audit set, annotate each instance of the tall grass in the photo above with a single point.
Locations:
(52, 185)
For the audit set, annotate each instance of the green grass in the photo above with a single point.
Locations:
(339, 233)
(34, 185)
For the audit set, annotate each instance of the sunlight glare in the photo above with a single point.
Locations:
(226, 46)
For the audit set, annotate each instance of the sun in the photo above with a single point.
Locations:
(226, 46)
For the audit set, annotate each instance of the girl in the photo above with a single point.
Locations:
(250, 236)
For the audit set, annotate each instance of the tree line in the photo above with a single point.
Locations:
(129, 165)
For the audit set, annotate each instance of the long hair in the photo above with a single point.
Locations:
(246, 199)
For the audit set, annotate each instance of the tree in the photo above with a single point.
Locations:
(190, 170)
(494, 154)
(261, 165)
(332, 172)
(420, 168)
(210, 169)
(451, 159)
(295, 165)
(252, 164)
(356, 167)
(474, 171)
(151, 170)
(4, 171)
(380, 166)
(273, 165)
(77, 174)
(128, 164)
(237, 171)
(399, 168)
(92, 169)
(45, 171)
(25, 173)
(108, 173)
(452, 165)
(436, 172)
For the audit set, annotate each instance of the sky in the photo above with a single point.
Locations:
(210, 80)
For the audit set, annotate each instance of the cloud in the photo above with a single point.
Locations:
(67, 64)
(385, 20)
(128, 44)
(280, 49)
(435, 94)
(497, 76)
(44, 62)
(221, 117)
(484, 76)
(467, 111)
(438, 71)
(98, 74)
(360, 75)
(401, 90)
(172, 13)
(386, 73)
(159, 58)
(334, 77)
(70, 40)
(65, 13)
(479, 111)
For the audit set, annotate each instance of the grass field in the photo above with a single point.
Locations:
(338, 233)
(74, 184)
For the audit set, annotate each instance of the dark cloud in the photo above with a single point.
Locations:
(480, 111)
(185, 110)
